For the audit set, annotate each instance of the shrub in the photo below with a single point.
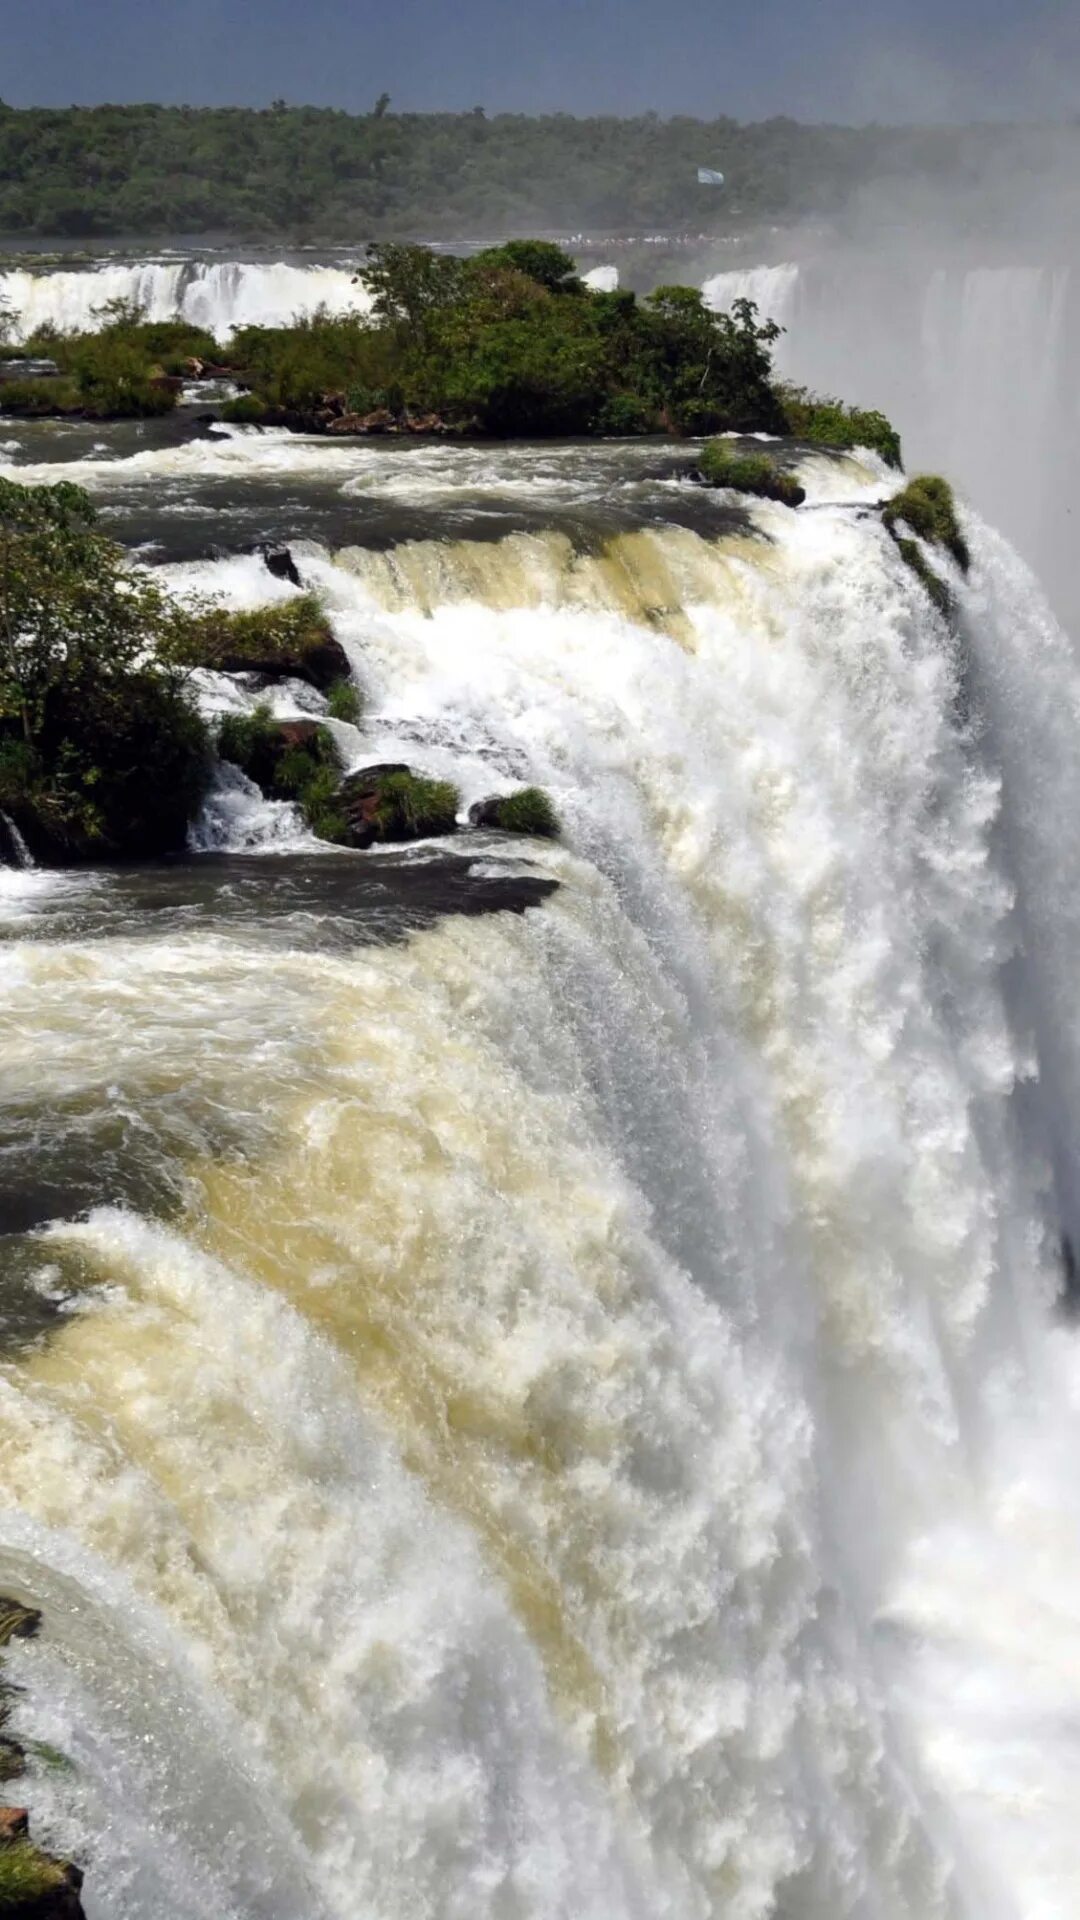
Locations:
(829, 423)
(252, 742)
(322, 809)
(39, 397)
(624, 415)
(928, 507)
(114, 379)
(343, 701)
(756, 473)
(411, 807)
(301, 760)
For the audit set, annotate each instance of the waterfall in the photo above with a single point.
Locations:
(587, 1437)
(13, 848)
(218, 295)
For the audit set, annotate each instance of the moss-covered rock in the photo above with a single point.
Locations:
(34, 1885)
(529, 811)
(390, 802)
(756, 473)
(289, 640)
(928, 507)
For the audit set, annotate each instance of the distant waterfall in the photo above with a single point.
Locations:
(217, 295)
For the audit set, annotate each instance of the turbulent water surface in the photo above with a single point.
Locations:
(532, 1385)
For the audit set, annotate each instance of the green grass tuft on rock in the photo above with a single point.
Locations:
(27, 1874)
(719, 465)
(287, 639)
(411, 807)
(913, 556)
(529, 811)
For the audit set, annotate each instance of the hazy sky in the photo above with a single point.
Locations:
(820, 59)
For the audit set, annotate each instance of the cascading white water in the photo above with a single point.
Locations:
(218, 295)
(591, 1439)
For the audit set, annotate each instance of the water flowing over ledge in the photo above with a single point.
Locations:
(568, 1420)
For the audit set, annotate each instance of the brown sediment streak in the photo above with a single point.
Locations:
(442, 1427)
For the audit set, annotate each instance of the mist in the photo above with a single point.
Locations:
(954, 306)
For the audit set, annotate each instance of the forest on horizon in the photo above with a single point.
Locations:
(317, 174)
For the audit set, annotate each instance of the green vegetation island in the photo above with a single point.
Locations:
(508, 343)
(316, 174)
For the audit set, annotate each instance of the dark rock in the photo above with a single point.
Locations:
(279, 562)
(195, 369)
(1070, 1290)
(485, 813)
(425, 423)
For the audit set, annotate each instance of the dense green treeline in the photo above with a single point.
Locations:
(315, 173)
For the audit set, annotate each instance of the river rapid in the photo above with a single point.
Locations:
(534, 1384)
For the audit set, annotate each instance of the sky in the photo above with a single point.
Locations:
(848, 60)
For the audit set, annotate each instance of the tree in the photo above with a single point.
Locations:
(101, 749)
(381, 105)
(408, 284)
(540, 260)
